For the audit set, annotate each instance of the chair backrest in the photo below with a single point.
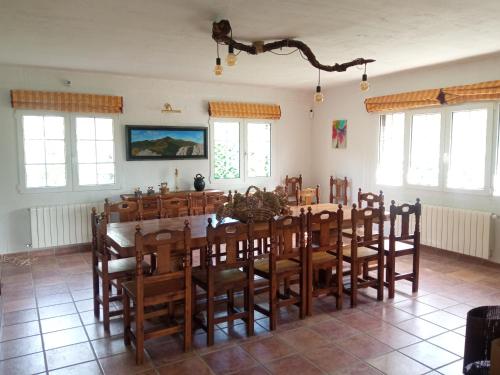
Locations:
(371, 199)
(307, 196)
(292, 184)
(214, 201)
(287, 236)
(197, 203)
(229, 245)
(124, 210)
(341, 187)
(366, 218)
(405, 211)
(173, 206)
(324, 224)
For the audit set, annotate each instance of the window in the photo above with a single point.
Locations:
(241, 150)
(391, 149)
(50, 144)
(425, 149)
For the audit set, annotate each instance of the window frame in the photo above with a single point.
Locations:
(71, 157)
(243, 131)
(404, 161)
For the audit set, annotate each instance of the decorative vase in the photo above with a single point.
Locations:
(199, 183)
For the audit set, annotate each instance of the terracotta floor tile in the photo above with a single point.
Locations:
(331, 358)
(18, 304)
(190, 366)
(428, 354)
(124, 364)
(421, 328)
(62, 338)
(29, 364)
(87, 368)
(362, 321)
(85, 305)
(358, 369)
(292, 364)
(42, 291)
(444, 319)
(257, 370)
(364, 346)
(228, 360)
(166, 349)
(109, 346)
(54, 299)
(452, 369)
(61, 322)
(57, 310)
(437, 301)
(451, 341)
(69, 355)
(302, 338)
(394, 337)
(334, 330)
(415, 307)
(79, 295)
(396, 363)
(389, 314)
(19, 347)
(17, 331)
(17, 317)
(460, 331)
(459, 310)
(267, 349)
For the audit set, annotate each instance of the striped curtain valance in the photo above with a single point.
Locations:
(427, 98)
(244, 110)
(66, 102)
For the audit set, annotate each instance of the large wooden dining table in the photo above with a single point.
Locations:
(121, 236)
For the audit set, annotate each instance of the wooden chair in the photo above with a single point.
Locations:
(291, 186)
(214, 201)
(366, 200)
(148, 206)
(123, 211)
(197, 204)
(404, 244)
(169, 284)
(324, 253)
(365, 249)
(111, 272)
(173, 206)
(286, 260)
(341, 187)
(228, 268)
(307, 196)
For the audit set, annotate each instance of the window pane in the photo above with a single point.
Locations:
(468, 150)
(259, 150)
(54, 152)
(35, 176)
(104, 151)
(34, 152)
(391, 149)
(106, 173)
(86, 151)
(56, 175)
(33, 127)
(425, 150)
(226, 150)
(104, 129)
(85, 128)
(87, 174)
(54, 127)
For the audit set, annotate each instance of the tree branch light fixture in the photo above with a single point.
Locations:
(222, 33)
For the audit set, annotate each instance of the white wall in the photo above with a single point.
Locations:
(143, 100)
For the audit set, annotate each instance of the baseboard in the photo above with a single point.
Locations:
(57, 251)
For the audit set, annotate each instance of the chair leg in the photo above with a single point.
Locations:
(210, 317)
(188, 319)
(95, 284)
(309, 284)
(354, 284)
(249, 308)
(273, 302)
(416, 271)
(126, 319)
(340, 287)
(391, 272)
(380, 276)
(139, 334)
(105, 301)
(230, 302)
(303, 293)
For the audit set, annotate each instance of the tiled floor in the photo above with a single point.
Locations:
(48, 326)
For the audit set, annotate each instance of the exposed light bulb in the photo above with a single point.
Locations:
(318, 95)
(231, 58)
(218, 67)
(364, 85)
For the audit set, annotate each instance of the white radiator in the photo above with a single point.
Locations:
(61, 225)
(462, 231)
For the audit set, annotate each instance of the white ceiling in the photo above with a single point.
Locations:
(172, 38)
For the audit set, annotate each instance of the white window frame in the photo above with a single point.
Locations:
(405, 147)
(244, 178)
(71, 159)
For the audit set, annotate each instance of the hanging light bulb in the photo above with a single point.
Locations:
(218, 66)
(364, 85)
(231, 58)
(318, 95)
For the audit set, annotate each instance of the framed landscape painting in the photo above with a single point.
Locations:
(166, 142)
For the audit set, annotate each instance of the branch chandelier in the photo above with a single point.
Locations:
(222, 33)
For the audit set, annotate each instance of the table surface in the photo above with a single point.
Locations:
(122, 235)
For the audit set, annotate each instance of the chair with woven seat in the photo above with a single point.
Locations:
(307, 196)
(154, 294)
(291, 186)
(122, 211)
(111, 272)
(405, 244)
(365, 249)
(338, 190)
(173, 206)
(215, 201)
(366, 200)
(228, 267)
(285, 261)
(324, 253)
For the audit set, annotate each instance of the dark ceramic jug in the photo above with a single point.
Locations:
(199, 183)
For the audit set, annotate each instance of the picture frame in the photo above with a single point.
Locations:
(146, 142)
